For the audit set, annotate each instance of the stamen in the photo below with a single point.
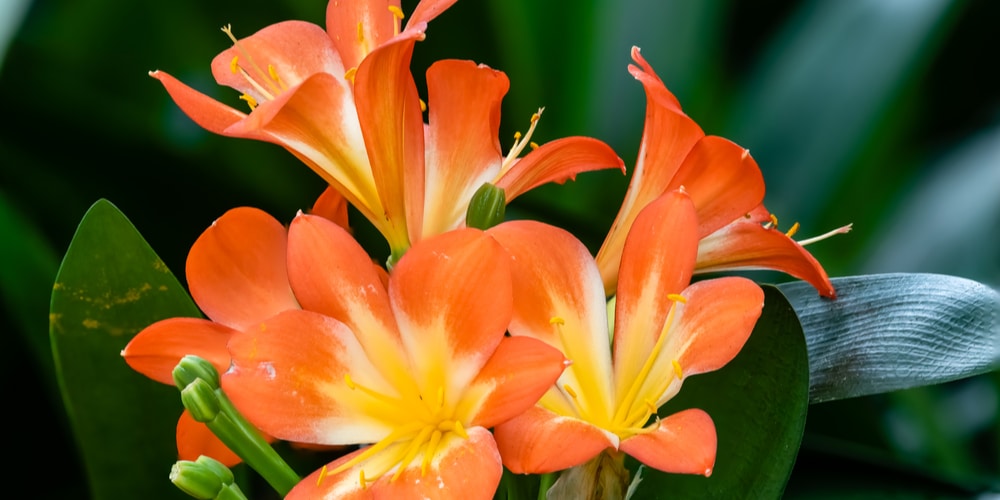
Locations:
(228, 30)
(274, 76)
(349, 74)
(322, 476)
(556, 320)
(361, 478)
(234, 64)
(520, 142)
(412, 450)
(460, 430)
(423, 106)
(676, 297)
(250, 101)
(569, 390)
(533, 145)
(378, 396)
(794, 229)
(361, 33)
(625, 407)
(677, 369)
(397, 15)
(840, 230)
(429, 451)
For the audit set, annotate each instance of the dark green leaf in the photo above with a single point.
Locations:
(110, 286)
(887, 332)
(758, 402)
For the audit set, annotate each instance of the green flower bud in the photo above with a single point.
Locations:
(191, 368)
(195, 480)
(201, 400)
(487, 207)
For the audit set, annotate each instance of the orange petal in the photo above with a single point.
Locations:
(514, 378)
(393, 127)
(463, 149)
(723, 180)
(558, 299)
(236, 269)
(539, 441)
(357, 27)
(210, 114)
(452, 299)
(667, 138)
(276, 58)
(288, 377)
(156, 350)
(657, 262)
(331, 274)
(333, 206)
(194, 439)
(558, 161)
(462, 468)
(318, 123)
(427, 10)
(746, 244)
(714, 323)
(683, 443)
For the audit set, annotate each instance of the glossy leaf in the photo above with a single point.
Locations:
(110, 285)
(758, 402)
(887, 332)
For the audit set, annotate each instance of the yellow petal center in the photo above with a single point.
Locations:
(423, 426)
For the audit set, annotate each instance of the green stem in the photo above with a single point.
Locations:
(246, 441)
(544, 483)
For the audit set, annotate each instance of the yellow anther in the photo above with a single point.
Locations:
(423, 106)
(774, 220)
(676, 297)
(397, 12)
(650, 405)
(517, 136)
(535, 117)
(569, 390)
(349, 75)
(234, 64)
(533, 145)
(794, 229)
(322, 476)
(361, 32)
(677, 369)
(440, 395)
(361, 478)
(557, 320)
(460, 430)
(350, 381)
(274, 76)
(253, 105)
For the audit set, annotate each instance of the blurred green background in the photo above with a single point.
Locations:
(884, 113)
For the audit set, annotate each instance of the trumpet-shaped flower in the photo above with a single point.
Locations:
(725, 184)
(345, 103)
(236, 274)
(418, 369)
(665, 330)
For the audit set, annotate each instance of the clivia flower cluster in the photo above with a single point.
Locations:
(482, 343)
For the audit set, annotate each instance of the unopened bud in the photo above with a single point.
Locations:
(191, 368)
(487, 207)
(201, 400)
(205, 479)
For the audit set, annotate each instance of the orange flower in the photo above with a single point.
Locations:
(344, 102)
(236, 273)
(725, 184)
(665, 330)
(420, 368)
